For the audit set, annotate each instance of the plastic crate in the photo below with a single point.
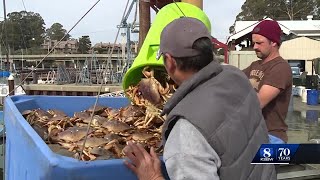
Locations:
(28, 157)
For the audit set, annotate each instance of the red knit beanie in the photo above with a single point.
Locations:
(269, 29)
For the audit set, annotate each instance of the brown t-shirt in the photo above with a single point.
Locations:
(276, 73)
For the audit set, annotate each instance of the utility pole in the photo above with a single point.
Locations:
(144, 20)
(198, 3)
(6, 37)
(129, 60)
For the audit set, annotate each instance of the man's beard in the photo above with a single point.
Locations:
(260, 55)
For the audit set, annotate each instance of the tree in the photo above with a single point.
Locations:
(56, 32)
(253, 10)
(317, 15)
(291, 9)
(84, 44)
(278, 9)
(24, 30)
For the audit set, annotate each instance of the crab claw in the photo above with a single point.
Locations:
(147, 72)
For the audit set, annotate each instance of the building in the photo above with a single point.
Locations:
(64, 47)
(300, 52)
(118, 47)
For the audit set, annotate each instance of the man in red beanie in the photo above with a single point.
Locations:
(271, 77)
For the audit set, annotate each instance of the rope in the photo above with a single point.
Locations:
(99, 92)
(179, 8)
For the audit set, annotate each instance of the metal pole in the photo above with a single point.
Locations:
(34, 76)
(11, 85)
(22, 59)
(128, 48)
(144, 19)
(1, 65)
(5, 34)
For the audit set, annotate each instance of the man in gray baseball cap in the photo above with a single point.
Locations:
(178, 38)
(214, 125)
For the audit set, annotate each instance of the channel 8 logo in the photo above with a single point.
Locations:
(266, 154)
(283, 154)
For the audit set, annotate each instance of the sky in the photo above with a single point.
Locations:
(101, 22)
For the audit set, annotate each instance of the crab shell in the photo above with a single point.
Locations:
(116, 126)
(142, 136)
(98, 109)
(81, 115)
(104, 153)
(93, 142)
(96, 120)
(73, 134)
(149, 90)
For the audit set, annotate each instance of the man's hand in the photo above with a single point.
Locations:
(146, 166)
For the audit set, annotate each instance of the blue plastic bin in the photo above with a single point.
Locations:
(4, 73)
(312, 97)
(27, 155)
(312, 116)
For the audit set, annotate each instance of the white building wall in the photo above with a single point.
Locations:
(242, 59)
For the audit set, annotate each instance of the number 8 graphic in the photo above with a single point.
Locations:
(266, 152)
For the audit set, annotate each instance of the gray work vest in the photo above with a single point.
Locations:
(221, 103)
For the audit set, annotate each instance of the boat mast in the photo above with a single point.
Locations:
(5, 34)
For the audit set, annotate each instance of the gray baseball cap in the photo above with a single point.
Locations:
(178, 37)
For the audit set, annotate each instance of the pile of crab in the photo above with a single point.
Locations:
(102, 132)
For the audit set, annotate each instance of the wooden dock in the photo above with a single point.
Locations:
(70, 89)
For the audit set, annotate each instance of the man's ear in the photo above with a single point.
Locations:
(274, 44)
(170, 63)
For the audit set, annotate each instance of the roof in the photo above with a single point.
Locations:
(106, 45)
(218, 44)
(297, 27)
